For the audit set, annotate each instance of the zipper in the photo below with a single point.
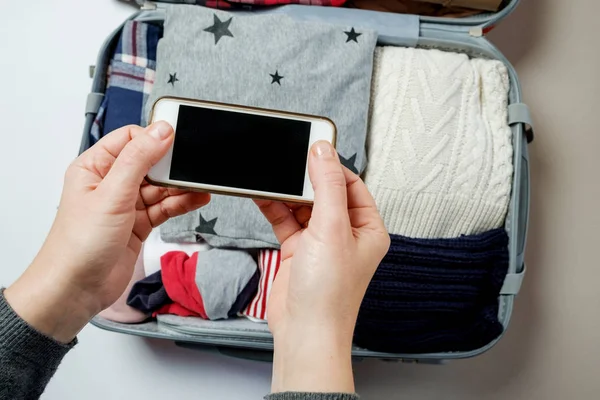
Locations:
(477, 31)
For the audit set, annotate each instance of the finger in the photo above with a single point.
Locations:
(280, 217)
(302, 215)
(122, 183)
(174, 206)
(99, 158)
(293, 206)
(301, 212)
(368, 225)
(362, 208)
(358, 194)
(330, 209)
(153, 194)
(114, 142)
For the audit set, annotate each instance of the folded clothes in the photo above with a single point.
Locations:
(268, 61)
(268, 264)
(226, 221)
(435, 295)
(262, 3)
(155, 248)
(148, 294)
(440, 146)
(212, 284)
(252, 4)
(120, 311)
(130, 78)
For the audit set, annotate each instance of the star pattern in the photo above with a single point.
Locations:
(219, 28)
(352, 35)
(173, 79)
(349, 162)
(206, 227)
(276, 78)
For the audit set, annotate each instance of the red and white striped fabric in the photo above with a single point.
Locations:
(268, 264)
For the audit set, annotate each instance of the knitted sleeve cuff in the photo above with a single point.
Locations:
(25, 341)
(311, 396)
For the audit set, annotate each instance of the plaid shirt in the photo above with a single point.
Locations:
(130, 79)
(248, 4)
(329, 3)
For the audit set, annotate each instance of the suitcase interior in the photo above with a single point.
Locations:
(242, 338)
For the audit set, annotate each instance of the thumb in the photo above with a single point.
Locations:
(330, 209)
(135, 160)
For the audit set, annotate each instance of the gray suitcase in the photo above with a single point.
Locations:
(245, 339)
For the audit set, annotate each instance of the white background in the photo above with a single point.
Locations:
(552, 348)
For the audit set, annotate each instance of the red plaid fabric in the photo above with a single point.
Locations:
(228, 4)
(222, 4)
(327, 3)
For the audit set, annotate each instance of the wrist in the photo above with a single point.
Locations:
(315, 359)
(44, 299)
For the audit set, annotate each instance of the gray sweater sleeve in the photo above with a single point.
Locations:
(28, 358)
(311, 396)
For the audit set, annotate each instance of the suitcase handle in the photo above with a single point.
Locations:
(520, 116)
(518, 113)
(524, 204)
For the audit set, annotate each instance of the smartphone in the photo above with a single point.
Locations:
(237, 150)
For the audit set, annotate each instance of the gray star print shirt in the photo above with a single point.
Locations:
(267, 61)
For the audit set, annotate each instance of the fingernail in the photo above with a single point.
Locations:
(161, 130)
(323, 149)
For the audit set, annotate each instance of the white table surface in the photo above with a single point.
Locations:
(551, 350)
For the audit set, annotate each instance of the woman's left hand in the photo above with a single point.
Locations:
(106, 211)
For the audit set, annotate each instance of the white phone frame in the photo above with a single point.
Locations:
(167, 109)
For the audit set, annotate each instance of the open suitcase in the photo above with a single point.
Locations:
(464, 35)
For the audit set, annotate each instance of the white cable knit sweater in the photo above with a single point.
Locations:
(439, 144)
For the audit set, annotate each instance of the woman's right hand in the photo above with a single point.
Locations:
(329, 254)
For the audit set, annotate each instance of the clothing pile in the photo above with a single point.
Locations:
(431, 8)
(427, 130)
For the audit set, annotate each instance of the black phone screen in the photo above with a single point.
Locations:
(238, 150)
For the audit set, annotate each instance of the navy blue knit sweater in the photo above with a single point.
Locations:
(435, 295)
